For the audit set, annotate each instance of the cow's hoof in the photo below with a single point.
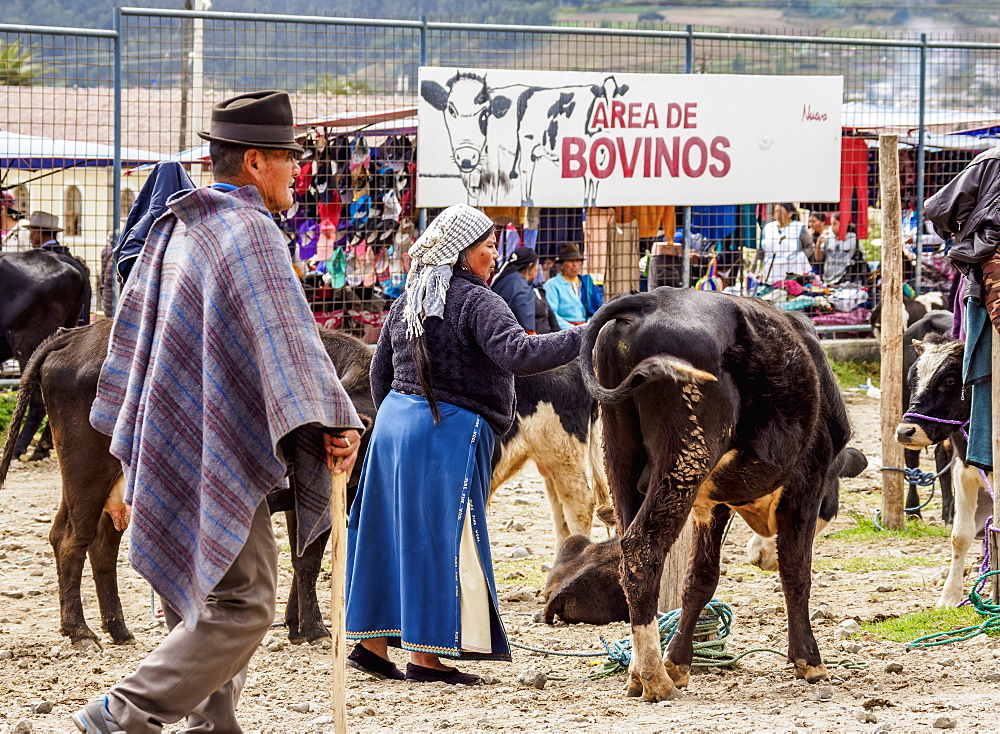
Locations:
(88, 644)
(811, 673)
(679, 674)
(633, 688)
(949, 600)
(652, 686)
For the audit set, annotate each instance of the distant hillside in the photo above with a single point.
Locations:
(98, 13)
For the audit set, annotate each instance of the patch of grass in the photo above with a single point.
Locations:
(865, 529)
(925, 622)
(530, 567)
(7, 401)
(859, 564)
(852, 373)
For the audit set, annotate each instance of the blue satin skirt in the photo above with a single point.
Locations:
(405, 528)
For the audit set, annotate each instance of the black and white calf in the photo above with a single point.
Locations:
(939, 412)
(935, 322)
(556, 426)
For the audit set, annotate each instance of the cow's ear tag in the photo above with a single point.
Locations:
(918, 345)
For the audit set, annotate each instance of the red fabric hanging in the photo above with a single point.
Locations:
(853, 185)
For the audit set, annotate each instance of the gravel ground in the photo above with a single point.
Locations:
(43, 679)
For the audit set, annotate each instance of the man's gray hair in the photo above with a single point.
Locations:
(227, 159)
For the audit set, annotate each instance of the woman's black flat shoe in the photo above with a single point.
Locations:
(452, 676)
(363, 659)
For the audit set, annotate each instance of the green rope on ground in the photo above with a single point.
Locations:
(987, 609)
(714, 626)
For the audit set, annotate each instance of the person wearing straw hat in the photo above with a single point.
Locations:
(13, 230)
(43, 230)
(215, 377)
(419, 571)
(572, 297)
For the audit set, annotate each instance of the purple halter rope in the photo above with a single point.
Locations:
(989, 527)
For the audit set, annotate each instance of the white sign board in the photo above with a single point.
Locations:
(556, 138)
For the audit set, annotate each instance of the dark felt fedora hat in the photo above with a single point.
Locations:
(568, 253)
(255, 120)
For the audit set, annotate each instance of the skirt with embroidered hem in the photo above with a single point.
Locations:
(405, 558)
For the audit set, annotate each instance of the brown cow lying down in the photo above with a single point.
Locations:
(711, 404)
(585, 586)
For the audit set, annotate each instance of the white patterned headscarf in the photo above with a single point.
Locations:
(432, 258)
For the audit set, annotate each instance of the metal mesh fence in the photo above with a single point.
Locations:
(57, 145)
(353, 85)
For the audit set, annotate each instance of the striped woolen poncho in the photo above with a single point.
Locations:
(214, 358)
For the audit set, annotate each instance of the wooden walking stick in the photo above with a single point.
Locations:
(338, 578)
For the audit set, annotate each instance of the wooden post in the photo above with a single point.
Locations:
(994, 545)
(891, 406)
(338, 579)
(674, 570)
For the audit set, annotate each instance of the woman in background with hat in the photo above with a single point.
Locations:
(513, 282)
(572, 297)
(419, 572)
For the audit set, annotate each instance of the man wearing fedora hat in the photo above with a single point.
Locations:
(572, 297)
(13, 232)
(215, 377)
(43, 229)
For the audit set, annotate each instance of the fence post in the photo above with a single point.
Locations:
(116, 171)
(891, 406)
(686, 250)
(422, 214)
(918, 236)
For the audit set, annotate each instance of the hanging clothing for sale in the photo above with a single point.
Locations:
(853, 186)
(650, 219)
(595, 240)
(714, 222)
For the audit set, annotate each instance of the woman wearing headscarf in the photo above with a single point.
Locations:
(513, 283)
(419, 572)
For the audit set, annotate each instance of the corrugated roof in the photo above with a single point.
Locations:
(150, 117)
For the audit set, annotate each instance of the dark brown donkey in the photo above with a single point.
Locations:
(67, 366)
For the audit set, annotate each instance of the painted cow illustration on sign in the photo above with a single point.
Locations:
(506, 136)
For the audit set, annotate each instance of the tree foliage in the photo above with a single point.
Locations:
(18, 67)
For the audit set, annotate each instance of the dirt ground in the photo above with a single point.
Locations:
(288, 689)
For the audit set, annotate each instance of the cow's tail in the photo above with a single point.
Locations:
(651, 369)
(29, 383)
(595, 457)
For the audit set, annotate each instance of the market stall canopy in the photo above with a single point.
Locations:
(372, 123)
(27, 152)
(863, 116)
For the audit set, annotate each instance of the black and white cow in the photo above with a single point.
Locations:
(556, 426)
(471, 108)
(711, 404)
(938, 413)
(545, 115)
(499, 136)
